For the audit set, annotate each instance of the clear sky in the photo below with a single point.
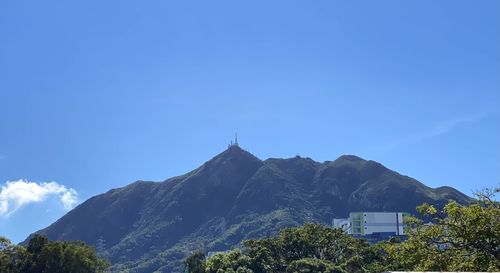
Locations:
(97, 94)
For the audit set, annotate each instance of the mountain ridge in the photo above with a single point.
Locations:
(149, 226)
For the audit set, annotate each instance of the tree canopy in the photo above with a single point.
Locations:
(41, 256)
(310, 248)
(457, 238)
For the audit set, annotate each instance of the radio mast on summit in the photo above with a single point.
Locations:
(235, 143)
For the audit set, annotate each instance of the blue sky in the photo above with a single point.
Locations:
(97, 94)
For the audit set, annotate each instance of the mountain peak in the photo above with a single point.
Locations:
(232, 197)
(234, 156)
(350, 158)
(235, 151)
(234, 147)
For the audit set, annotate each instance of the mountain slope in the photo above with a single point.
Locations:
(150, 227)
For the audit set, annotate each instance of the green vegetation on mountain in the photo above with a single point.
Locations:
(40, 256)
(151, 227)
(460, 238)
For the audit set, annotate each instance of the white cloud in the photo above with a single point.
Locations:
(436, 131)
(448, 125)
(16, 194)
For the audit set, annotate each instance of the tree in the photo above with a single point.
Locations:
(35, 245)
(232, 261)
(311, 241)
(310, 248)
(458, 238)
(11, 256)
(43, 256)
(74, 257)
(311, 265)
(195, 263)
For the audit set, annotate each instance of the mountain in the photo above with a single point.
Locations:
(151, 226)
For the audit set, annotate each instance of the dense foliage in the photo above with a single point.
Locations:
(457, 238)
(41, 256)
(310, 248)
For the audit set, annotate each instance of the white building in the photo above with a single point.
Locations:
(366, 223)
(342, 223)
